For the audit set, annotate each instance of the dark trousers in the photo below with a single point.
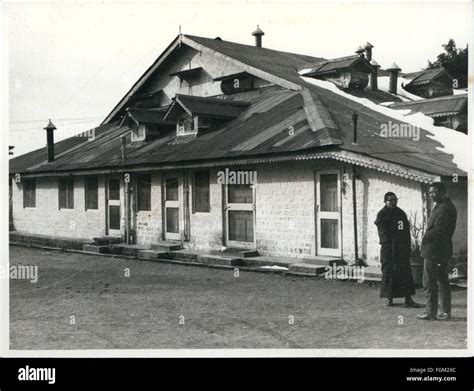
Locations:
(435, 277)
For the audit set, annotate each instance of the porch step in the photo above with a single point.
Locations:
(105, 240)
(166, 245)
(94, 248)
(183, 255)
(322, 260)
(219, 260)
(269, 261)
(372, 273)
(127, 249)
(236, 252)
(307, 269)
(151, 254)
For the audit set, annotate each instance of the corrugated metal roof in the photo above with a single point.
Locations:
(445, 105)
(336, 64)
(259, 131)
(427, 76)
(197, 105)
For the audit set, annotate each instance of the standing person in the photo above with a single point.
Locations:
(395, 241)
(437, 249)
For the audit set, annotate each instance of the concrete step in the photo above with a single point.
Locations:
(105, 240)
(372, 273)
(183, 255)
(218, 260)
(130, 250)
(269, 261)
(322, 260)
(166, 245)
(151, 254)
(93, 248)
(307, 269)
(236, 252)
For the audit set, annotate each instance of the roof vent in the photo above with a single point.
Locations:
(258, 34)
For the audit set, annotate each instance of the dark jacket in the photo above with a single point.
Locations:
(394, 235)
(437, 242)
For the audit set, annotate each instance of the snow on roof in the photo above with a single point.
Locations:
(454, 142)
(383, 84)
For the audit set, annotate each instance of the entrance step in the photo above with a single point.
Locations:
(94, 248)
(372, 273)
(236, 252)
(127, 249)
(105, 240)
(166, 245)
(151, 254)
(322, 260)
(219, 260)
(307, 269)
(183, 255)
(269, 261)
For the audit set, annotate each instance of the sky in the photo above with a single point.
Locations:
(73, 62)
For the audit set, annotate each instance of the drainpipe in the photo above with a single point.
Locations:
(127, 207)
(354, 193)
(354, 211)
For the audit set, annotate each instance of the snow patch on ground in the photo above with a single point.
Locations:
(455, 143)
(274, 267)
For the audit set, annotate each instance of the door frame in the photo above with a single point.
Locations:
(109, 202)
(239, 207)
(328, 215)
(172, 204)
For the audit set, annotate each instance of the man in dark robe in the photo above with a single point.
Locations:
(394, 235)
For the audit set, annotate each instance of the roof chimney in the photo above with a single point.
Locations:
(50, 128)
(258, 34)
(373, 77)
(368, 51)
(393, 69)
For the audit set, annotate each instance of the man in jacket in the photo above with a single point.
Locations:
(437, 249)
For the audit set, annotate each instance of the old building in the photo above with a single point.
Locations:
(430, 83)
(174, 159)
(447, 111)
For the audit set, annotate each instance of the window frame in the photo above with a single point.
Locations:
(139, 206)
(194, 189)
(86, 192)
(69, 192)
(29, 187)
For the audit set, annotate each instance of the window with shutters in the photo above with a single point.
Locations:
(66, 193)
(92, 193)
(144, 192)
(201, 195)
(29, 193)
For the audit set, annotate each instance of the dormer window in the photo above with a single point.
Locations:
(139, 133)
(186, 125)
(194, 113)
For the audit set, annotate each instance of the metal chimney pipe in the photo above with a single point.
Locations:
(258, 34)
(50, 128)
(394, 69)
(355, 116)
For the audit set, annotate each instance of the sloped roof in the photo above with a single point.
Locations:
(334, 65)
(435, 107)
(197, 105)
(319, 120)
(278, 63)
(149, 116)
(427, 76)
